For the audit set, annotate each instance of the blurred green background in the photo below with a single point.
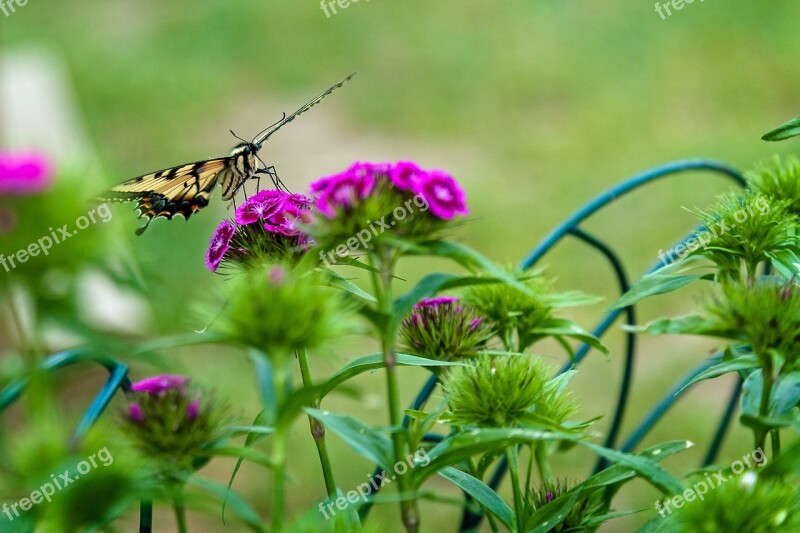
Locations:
(535, 107)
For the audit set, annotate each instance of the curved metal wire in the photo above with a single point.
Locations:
(471, 520)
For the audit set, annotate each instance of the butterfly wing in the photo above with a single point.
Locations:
(181, 190)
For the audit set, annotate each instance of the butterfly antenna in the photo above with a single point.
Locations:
(237, 136)
(264, 135)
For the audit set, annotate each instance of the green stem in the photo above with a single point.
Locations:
(180, 510)
(763, 408)
(317, 429)
(279, 450)
(382, 281)
(775, 434)
(512, 455)
(543, 462)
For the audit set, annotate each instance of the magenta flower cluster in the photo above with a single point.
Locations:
(439, 190)
(22, 174)
(159, 386)
(277, 212)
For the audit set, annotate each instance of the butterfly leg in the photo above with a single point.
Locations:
(276, 181)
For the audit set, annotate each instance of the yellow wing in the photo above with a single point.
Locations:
(181, 190)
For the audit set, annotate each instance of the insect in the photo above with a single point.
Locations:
(185, 189)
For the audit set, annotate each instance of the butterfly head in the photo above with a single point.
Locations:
(244, 148)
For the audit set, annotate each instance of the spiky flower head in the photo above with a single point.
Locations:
(268, 227)
(368, 200)
(495, 391)
(172, 422)
(280, 311)
(779, 181)
(765, 315)
(443, 329)
(748, 502)
(510, 311)
(744, 227)
(578, 518)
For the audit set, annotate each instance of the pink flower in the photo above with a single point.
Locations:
(160, 384)
(436, 302)
(193, 410)
(406, 174)
(136, 413)
(443, 195)
(260, 207)
(343, 190)
(296, 207)
(220, 242)
(24, 174)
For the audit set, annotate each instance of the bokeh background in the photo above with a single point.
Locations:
(535, 107)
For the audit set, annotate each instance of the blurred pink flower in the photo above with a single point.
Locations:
(160, 384)
(24, 173)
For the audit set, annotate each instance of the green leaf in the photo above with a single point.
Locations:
(652, 285)
(684, 325)
(785, 394)
(266, 386)
(482, 493)
(173, 341)
(373, 362)
(784, 397)
(614, 475)
(461, 254)
(251, 439)
(745, 362)
(645, 467)
(785, 261)
(338, 281)
(784, 131)
(570, 299)
(245, 512)
(242, 453)
(432, 284)
(365, 440)
(561, 327)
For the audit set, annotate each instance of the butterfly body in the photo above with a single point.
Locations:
(185, 189)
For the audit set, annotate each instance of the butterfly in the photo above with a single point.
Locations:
(185, 189)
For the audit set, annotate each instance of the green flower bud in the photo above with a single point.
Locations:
(765, 315)
(280, 312)
(746, 503)
(501, 391)
(585, 508)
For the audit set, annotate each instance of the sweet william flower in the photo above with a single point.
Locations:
(159, 384)
(405, 175)
(220, 243)
(260, 207)
(268, 227)
(441, 192)
(343, 190)
(172, 422)
(441, 329)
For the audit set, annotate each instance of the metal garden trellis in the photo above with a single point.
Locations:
(570, 227)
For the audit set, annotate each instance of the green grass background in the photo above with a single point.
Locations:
(534, 106)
